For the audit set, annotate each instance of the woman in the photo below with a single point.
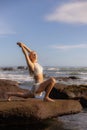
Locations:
(36, 71)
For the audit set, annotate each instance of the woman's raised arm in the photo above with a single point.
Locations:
(29, 62)
(22, 44)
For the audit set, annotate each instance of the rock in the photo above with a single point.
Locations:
(7, 68)
(21, 67)
(48, 124)
(73, 77)
(66, 78)
(31, 109)
(36, 109)
(10, 86)
(61, 91)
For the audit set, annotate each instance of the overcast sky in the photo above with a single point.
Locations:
(56, 29)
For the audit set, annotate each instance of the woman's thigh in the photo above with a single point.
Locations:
(43, 85)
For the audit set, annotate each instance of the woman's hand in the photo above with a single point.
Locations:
(20, 44)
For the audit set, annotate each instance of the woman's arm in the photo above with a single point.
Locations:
(29, 62)
(27, 48)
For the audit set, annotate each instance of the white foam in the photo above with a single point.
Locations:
(16, 77)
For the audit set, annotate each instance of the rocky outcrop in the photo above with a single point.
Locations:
(21, 67)
(10, 86)
(36, 109)
(31, 108)
(7, 68)
(61, 91)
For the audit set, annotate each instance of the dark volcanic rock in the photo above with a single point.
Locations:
(61, 91)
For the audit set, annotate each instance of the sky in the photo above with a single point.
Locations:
(55, 29)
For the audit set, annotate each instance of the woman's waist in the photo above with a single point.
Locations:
(38, 78)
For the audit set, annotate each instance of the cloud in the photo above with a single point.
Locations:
(66, 47)
(72, 12)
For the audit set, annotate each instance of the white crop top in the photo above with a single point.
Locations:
(38, 69)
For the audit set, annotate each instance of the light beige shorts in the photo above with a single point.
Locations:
(35, 88)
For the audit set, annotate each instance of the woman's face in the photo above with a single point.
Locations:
(33, 56)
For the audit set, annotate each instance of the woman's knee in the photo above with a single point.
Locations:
(53, 80)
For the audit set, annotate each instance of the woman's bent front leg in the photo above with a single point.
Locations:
(47, 87)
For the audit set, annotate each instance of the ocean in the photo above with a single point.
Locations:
(21, 75)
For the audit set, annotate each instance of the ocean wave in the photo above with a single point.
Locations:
(51, 69)
(19, 78)
(21, 75)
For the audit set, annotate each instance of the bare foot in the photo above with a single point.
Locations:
(7, 97)
(48, 99)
